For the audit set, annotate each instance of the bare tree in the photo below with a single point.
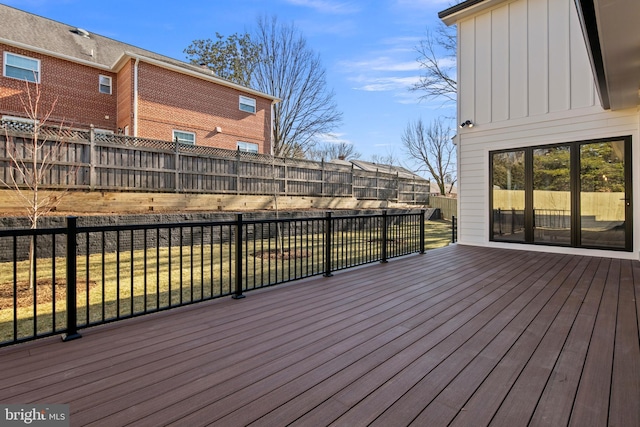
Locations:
(330, 150)
(290, 70)
(432, 149)
(437, 58)
(31, 162)
(389, 158)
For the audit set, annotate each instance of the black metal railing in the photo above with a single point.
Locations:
(62, 280)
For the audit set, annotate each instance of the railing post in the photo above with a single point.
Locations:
(422, 236)
(72, 313)
(454, 229)
(328, 230)
(384, 237)
(238, 292)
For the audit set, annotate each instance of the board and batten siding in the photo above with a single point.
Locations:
(525, 80)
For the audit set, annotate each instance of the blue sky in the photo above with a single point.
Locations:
(367, 48)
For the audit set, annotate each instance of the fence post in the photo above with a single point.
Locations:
(422, 236)
(324, 178)
(286, 176)
(327, 241)
(238, 291)
(353, 179)
(92, 158)
(72, 314)
(384, 237)
(238, 172)
(177, 173)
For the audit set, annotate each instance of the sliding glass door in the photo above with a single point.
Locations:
(552, 195)
(603, 195)
(575, 194)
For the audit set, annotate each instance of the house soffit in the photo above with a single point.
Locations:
(613, 40)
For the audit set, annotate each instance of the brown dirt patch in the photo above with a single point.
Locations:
(44, 291)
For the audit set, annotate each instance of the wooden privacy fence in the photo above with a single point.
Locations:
(107, 162)
(448, 206)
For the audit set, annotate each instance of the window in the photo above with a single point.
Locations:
(104, 83)
(247, 147)
(21, 67)
(184, 137)
(247, 104)
(575, 194)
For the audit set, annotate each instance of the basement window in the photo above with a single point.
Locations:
(183, 137)
(104, 83)
(247, 104)
(247, 147)
(21, 67)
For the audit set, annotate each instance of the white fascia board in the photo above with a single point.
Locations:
(473, 8)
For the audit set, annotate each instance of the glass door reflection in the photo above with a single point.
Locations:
(603, 195)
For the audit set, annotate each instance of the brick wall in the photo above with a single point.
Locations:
(67, 82)
(169, 100)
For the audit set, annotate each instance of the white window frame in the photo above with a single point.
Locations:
(101, 84)
(183, 140)
(6, 65)
(248, 105)
(248, 147)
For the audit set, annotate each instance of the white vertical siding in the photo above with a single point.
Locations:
(538, 43)
(483, 69)
(522, 59)
(518, 60)
(500, 65)
(559, 57)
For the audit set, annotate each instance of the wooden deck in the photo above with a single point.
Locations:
(459, 336)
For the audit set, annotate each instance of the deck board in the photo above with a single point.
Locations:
(462, 336)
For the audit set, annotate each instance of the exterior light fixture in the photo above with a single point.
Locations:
(467, 123)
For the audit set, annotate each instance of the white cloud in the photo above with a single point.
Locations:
(385, 84)
(333, 138)
(382, 63)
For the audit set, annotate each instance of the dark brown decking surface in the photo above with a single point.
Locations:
(459, 336)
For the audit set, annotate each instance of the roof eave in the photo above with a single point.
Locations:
(53, 54)
(196, 74)
(469, 7)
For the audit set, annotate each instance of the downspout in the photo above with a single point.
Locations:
(135, 97)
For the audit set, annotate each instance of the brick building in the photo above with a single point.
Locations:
(120, 88)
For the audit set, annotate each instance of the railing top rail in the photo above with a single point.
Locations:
(18, 232)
